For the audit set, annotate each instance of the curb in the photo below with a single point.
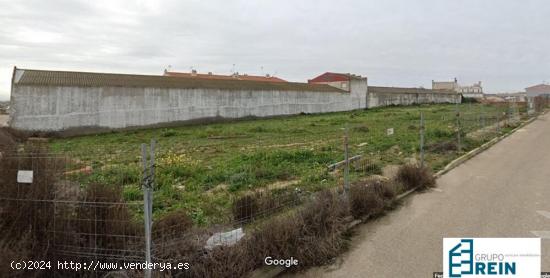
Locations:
(455, 163)
(274, 271)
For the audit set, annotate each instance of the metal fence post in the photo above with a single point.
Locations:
(422, 139)
(148, 174)
(498, 122)
(346, 169)
(459, 147)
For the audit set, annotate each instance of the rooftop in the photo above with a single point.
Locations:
(333, 77)
(378, 89)
(29, 77)
(539, 88)
(236, 76)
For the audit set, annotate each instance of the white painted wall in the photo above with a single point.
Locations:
(54, 108)
(384, 99)
(50, 108)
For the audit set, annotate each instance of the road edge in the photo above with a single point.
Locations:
(274, 271)
(458, 161)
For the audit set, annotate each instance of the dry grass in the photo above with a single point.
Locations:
(25, 225)
(104, 215)
(313, 234)
(371, 197)
(29, 213)
(413, 176)
(245, 208)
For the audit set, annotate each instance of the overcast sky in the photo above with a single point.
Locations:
(504, 43)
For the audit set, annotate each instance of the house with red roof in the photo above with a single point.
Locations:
(338, 80)
(235, 76)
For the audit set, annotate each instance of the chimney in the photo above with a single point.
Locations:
(194, 72)
(209, 73)
(267, 75)
(456, 80)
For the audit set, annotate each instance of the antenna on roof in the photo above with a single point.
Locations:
(233, 69)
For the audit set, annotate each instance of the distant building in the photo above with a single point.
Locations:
(445, 85)
(337, 80)
(514, 97)
(473, 91)
(537, 90)
(384, 96)
(235, 76)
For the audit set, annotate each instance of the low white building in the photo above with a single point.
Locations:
(471, 91)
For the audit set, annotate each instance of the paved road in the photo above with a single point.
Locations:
(502, 192)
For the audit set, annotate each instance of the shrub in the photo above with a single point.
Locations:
(245, 208)
(102, 211)
(387, 190)
(26, 225)
(413, 176)
(314, 234)
(365, 200)
(173, 234)
(371, 196)
(172, 224)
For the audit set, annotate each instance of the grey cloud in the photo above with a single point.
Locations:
(393, 42)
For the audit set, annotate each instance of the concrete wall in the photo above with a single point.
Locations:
(52, 108)
(59, 108)
(376, 99)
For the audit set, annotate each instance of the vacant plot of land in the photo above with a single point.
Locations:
(201, 168)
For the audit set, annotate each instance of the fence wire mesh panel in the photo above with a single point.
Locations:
(202, 193)
(65, 209)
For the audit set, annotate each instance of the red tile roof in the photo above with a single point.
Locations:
(330, 77)
(224, 77)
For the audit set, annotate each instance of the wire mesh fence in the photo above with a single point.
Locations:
(211, 191)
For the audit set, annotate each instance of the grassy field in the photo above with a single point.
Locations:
(201, 168)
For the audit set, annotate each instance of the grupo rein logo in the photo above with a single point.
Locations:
(495, 257)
